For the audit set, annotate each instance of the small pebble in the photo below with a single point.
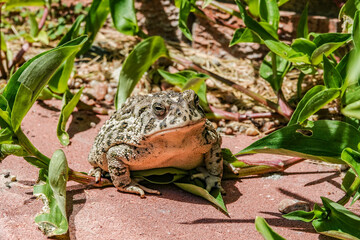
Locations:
(92, 124)
(229, 131)
(251, 131)
(13, 178)
(7, 174)
(290, 205)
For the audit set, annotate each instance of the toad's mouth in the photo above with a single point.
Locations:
(200, 124)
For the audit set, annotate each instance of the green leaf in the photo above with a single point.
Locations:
(332, 77)
(185, 8)
(124, 16)
(69, 103)
(73, 32)
(353, 76)
(59, 81)
(6, 136)
(265, 230)
(356, 30)
(52, 191)
(324, 141)
(253, 7)
(303, 45)
(34, 30)
(255, 26)
(341, 67)
(244, 35)
(286, 52)
(37, 163)
(95, 19)
(188, 80)
(349, 8)
(326, 44)
(302, 29)
(27, 83)
(352, 158)
(266, 71)
(339, 221)
(300, 216)
(269, 12)
(309, 95)
(13, 149)
(318, 101)
(136, 64)
(213, 197)
(282, 2)
(22, 3)
(43, 37)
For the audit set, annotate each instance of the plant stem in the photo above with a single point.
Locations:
(352, 189)
(189, 64)
(27, 45)
(298, 85)
(88, 180)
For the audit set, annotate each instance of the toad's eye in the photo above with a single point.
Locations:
(159, 109)
(196, 99)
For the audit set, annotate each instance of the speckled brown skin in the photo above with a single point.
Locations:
(165, 129)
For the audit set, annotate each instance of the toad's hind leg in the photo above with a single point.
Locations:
(120, 172)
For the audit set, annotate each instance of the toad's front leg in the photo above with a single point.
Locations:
(120, 172)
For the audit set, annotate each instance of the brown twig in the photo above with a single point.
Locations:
(88, 180)
(240, 117)
(25, 47)
(189, 64)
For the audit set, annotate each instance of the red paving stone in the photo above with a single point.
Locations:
(109, 214)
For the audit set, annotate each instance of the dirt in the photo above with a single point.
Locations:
(175, 214)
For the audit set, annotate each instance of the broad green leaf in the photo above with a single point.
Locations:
(188, 80)
(324, 141)
(124, 16)
(318, 101)
(353, 69)
(68, 104)
(52, 191)
(351, 95)
(286, 52)
(6, 136)
(326, 44)
(300, 216)
(95, 19)
(266, 70)
(59, 81)
(73, 32)
(136, 64)
(339, 222)
(341, 67)
(253, 25)
(269, 12)
(332, 77)
(356, 30)
(24, 87)
(34, 30)
(351, 186)
(352, 110)
(37, 163)
(309, 95)
(349, 8)
(304, 46)
(23, 3)
(352, 158)
(185, 9)
(265, 230)
(244, 35)
(302, 29)
(253, 7)
(13, 149)
(213, 197)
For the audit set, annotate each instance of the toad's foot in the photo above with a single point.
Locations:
(136, 188)
(96, 172)
(210, 180)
